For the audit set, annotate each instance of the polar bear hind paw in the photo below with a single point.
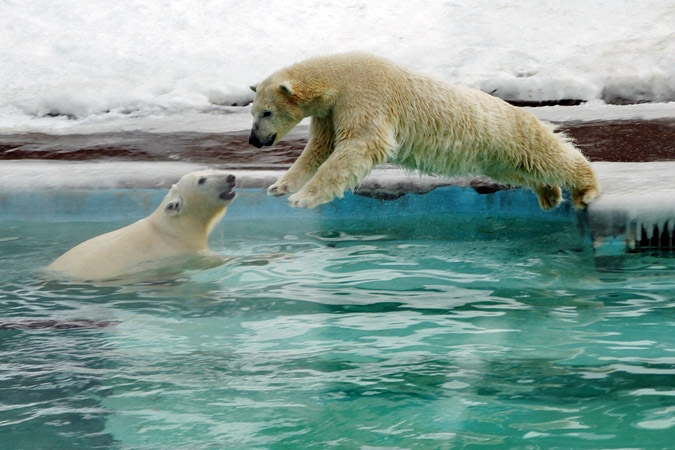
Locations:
(582, 198)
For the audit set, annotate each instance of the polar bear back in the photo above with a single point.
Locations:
(114, 253)
(459, 128)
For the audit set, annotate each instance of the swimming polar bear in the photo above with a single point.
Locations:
(180, 226)
(366, 110)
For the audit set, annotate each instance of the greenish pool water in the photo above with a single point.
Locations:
(434, 331)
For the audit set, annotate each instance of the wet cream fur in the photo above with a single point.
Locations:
(179, 226)
(366, 110)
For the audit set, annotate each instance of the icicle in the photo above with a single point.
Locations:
(649, 231)
(631, 244)
(661, 226)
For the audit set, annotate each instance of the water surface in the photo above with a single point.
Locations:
(433, 331)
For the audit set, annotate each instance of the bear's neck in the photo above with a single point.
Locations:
(318, 88)
(189, 233)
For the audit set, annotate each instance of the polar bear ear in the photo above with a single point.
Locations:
(174, 207)
(254, 87)
(286, 89)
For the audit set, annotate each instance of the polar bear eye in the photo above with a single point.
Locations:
(202, 180)
(267, 113)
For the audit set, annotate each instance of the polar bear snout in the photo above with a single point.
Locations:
(255, 141)
(228, 194)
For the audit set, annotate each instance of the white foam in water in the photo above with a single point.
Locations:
(90, 66)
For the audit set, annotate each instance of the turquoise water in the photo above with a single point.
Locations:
(427, 331)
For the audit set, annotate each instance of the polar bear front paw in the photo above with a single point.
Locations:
(306, 200)
(281, 187)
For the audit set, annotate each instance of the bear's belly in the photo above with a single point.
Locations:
(435, 159)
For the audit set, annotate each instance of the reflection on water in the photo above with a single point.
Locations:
(453, 332)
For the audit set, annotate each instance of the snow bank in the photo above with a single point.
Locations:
(70, 62)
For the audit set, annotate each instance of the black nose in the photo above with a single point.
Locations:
(270, 141)
(254, 141)
(230, 178)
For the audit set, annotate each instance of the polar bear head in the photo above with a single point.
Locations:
(199, 199)
(283, 100)
(276, 110)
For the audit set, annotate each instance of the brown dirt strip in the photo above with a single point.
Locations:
(619, 140)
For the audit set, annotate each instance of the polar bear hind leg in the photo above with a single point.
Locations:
(585, 187)
(545, 178)
(580, 180)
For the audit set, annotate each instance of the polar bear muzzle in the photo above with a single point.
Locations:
(228, 194)
(257, 142)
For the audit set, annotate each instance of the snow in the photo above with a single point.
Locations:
(18, 176)
(34, 175)
(85, 66)
(597, 109)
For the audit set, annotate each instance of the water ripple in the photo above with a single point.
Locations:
(510, 336)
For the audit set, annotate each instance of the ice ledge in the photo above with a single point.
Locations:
(637, 202)
(29, 175)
